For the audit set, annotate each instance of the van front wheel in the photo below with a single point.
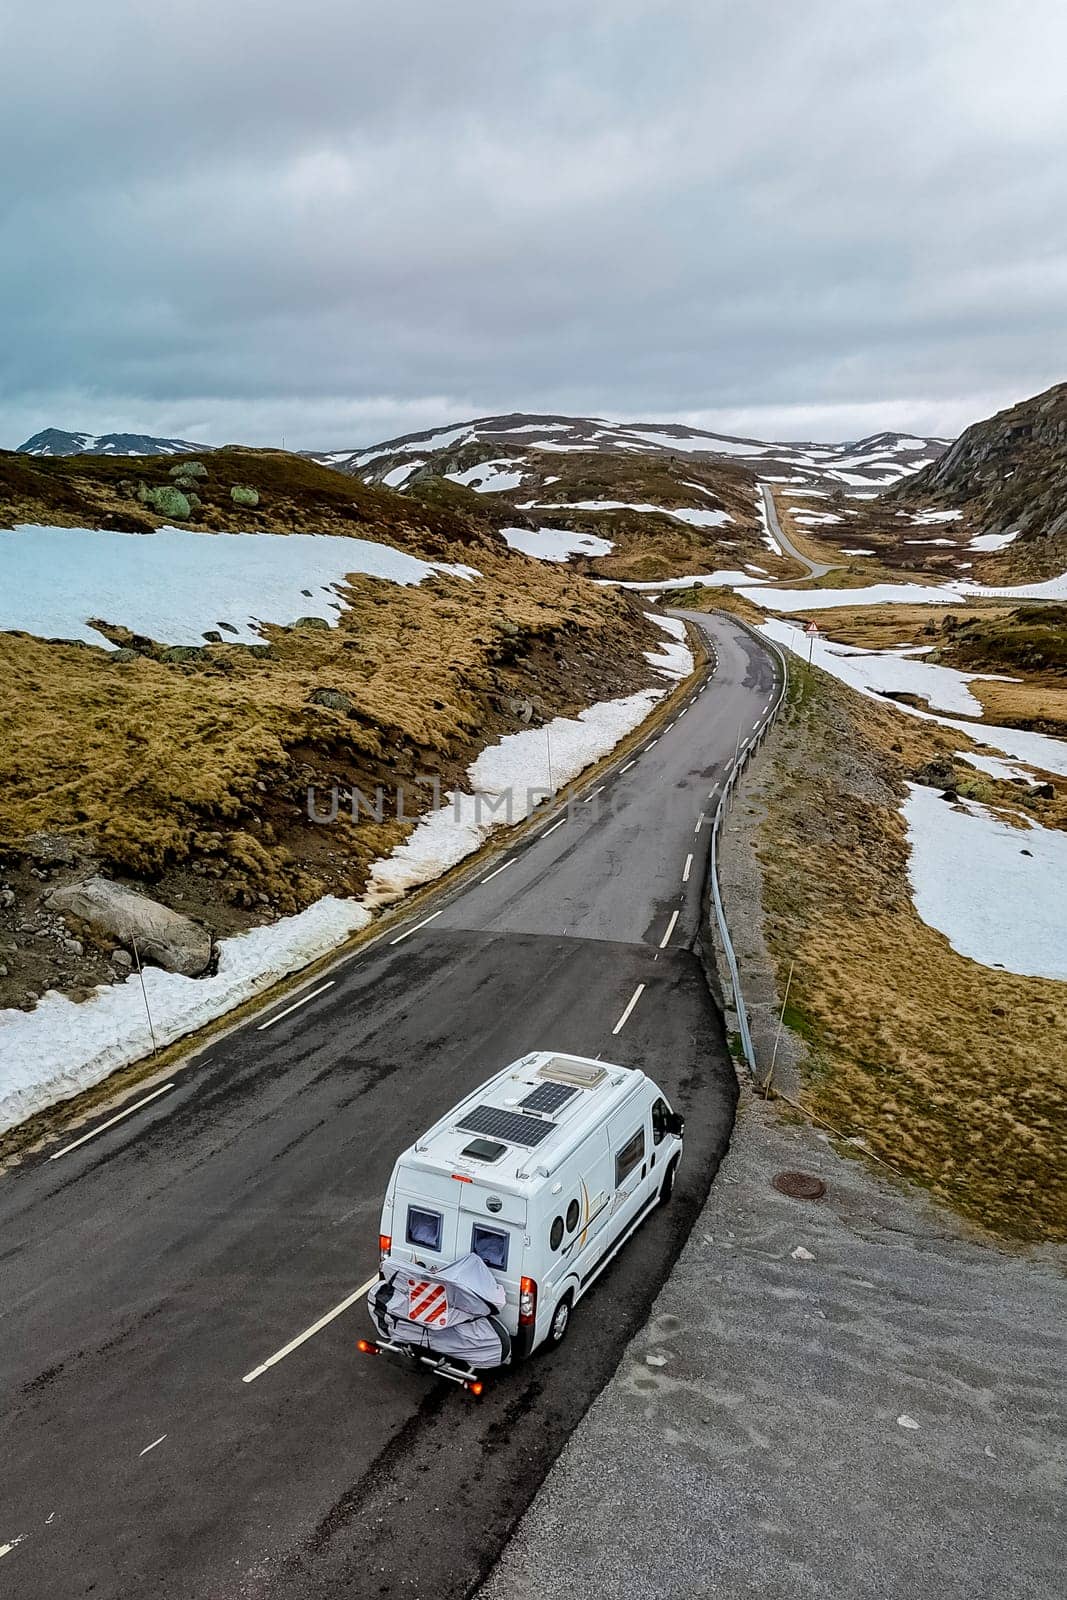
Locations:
(561, 1321)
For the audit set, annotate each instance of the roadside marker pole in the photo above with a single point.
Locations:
(144, 994)
(781, 1020)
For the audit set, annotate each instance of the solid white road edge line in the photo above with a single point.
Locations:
(296, 1005)
(308, 1333)
(129, 1111)
(665, 941)
(634, 998)
(687, 868)
(152, 1446)
(495, 870)
(416, 928)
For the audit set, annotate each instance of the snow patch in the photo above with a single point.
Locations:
(556, 544)
(995, 891)
(174, 584)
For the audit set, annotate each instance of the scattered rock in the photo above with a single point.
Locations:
(311, 622)
(7, 899)
(904, 1421)
(242, 495)
(1041, 791)
(212, 635)
(181, 652)
(73, 947)
(166, 500)
(800, 1254)
(334, 699)
(122, 961)
(189, 469)
(940, 773)
(123, 653)
(171, 940)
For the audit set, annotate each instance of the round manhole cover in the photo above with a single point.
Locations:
(799, 1185)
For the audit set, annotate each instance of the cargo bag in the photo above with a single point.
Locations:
(447, 1311)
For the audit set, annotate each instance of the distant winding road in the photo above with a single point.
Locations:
(814, 569)
(184, 1412)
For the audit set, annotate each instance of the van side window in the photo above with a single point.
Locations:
(424, 1228)
(660, 1113)
(491, 1245)
(555, 1233)
(630, 1156)
(572, 1216)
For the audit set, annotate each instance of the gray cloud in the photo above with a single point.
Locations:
(340, 221)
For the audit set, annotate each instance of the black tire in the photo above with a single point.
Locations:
(668, 1183)
(561, 1321)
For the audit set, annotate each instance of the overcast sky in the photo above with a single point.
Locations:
(332, 221)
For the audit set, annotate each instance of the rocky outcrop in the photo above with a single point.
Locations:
(149, 929)
(242, 495)
(167, 500)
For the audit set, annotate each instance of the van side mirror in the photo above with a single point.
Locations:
(676, 1124)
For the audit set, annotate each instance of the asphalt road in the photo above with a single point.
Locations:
(150, 1272)
(813, 569)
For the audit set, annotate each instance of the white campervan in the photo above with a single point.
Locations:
(543, 1174)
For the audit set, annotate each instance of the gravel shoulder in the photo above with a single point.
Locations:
(874, 1417)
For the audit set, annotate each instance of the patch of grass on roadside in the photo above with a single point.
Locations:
(953, 1072)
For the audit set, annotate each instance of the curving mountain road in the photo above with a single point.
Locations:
(814, 569)
(166, 1432)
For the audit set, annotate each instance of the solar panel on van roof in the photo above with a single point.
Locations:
(509, 1125)
(548, 1096)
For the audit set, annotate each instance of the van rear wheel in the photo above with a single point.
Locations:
(668, 1183)
(561, 1321)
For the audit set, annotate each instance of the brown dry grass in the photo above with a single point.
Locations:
(154, 764)
(952, 1072)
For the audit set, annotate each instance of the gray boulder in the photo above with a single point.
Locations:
(162, 936)
(242, 495)
(189, 469)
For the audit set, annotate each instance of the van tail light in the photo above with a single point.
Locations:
(527, 1301)
(367, 1347)
(385, 1244)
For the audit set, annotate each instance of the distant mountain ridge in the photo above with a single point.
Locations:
(871, 463)
(56, 442)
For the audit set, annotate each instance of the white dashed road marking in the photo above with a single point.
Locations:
(503, 864)
(152, 1446)
(700, 823)
(297, 1004)
(308, 1333)
(665, 941)
(688, 867)
(416, 928)
(634, 998)
(553, 828)
(129, 1111)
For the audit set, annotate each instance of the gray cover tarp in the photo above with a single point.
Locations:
(464, 1325)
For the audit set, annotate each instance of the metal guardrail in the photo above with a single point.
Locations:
(744, 755)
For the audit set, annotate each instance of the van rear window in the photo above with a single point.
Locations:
(491, 1245)
(424, 1228)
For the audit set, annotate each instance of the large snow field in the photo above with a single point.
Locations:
(696, 517)
(1038, 750)
(1051, 589)
(995, 891)
(556, 544)
(175, 584)
(60, 1047)
(884, 672)
(876, 594)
